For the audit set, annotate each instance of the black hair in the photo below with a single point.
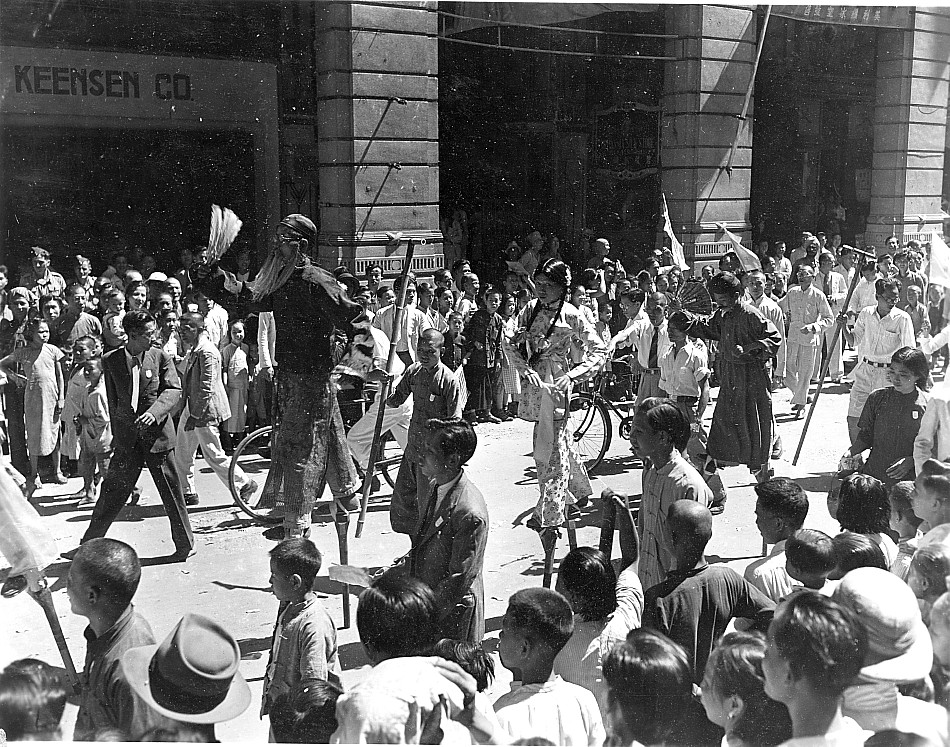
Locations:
(111, 567)
(735, 668)
(180, 733)
(855, 550)
(74, 286)
(821, 640)
(298, 556)
(136, 321)
(916, 362)
(882, 285)
(935, 477)
(650, 682)
(543, 616)
(53, 690)
(20, 702)
(4, 271)
(725, 283)
(634, 295)
(456, 436)
(811, 551)
(862, 505)
(54, 299)
(306, 714)
(557, 271)
(587, 574)
(785, 498)
(663, 415)
(899, 496)
(472, 657)
(441, 291)
(398, 616)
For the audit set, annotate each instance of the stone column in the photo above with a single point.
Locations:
(703, 93)
(910, 128)
(377, 133)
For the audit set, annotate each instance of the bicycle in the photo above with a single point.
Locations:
(253, 455)
(589, 413)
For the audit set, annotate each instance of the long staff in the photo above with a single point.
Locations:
(865, 257)
(39, 588)
(386, 385)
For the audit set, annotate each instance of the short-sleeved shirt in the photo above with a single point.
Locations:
(52, 285)
(693, 608)
(674, 481)
(681, 372)
(559, 711)
(413, 324)
(769, 576)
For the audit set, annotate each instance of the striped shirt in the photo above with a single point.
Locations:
(581, 659)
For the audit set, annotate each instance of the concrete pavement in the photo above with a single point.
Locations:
(228, 578)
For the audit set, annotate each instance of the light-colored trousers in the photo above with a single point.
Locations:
(395, 419)
(209, 439)
(835, 369)
(799, 364)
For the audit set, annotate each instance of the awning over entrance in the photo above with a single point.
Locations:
(465, 16)
(879, 16)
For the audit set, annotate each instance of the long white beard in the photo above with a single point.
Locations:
(273, 274)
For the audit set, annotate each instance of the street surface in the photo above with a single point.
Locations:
(228, 578)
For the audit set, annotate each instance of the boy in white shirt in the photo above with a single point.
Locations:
(535, 628)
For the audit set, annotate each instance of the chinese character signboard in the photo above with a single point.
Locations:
(880, 16)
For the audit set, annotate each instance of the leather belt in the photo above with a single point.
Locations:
(876, 364)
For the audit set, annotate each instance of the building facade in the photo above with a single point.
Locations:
(466, 125)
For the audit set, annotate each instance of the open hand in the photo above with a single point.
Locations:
(145, 420)
(900, 469)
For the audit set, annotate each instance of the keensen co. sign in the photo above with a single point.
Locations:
(60, 80)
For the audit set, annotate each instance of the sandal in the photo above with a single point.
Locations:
(12, 586)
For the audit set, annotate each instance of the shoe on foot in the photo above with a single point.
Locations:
(487, 417)
(69, 554)
(191, 499)
(716, 509)
(12, 586)
(136, 496)
(248, 491)
(86, 501)
(182, 554)
(59, 479)
(349, 502)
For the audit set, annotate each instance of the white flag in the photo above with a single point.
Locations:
(939, 268)
(747, 258)
(675, 246)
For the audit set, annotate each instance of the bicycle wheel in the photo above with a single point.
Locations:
(254, 458)
(590, 425)
(389, 460)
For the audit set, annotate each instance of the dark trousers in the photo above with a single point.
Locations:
(124, 471)
(16, 429)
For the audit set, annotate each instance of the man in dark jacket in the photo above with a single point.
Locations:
(143, 388)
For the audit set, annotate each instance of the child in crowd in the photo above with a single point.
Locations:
(32, 702)
(467, 304)
(815, 649)
(169, 337)
(931, 502)
(904, 522)
(306, 714)
(436, 393)
(536, 626)
(581, 300)
(810, 559)
(919, 316)
(113, 334)
(235, 370)
(95, 432)
(510, 389)
(44, 397)
(733, 694)
(102, 581)
(684, 376)
(304, 649)
(83, 348)
(855, 550)
(521, 300)
(483, 337)
(650, 693)
(453, 347)
(862, 506)
(780, 509)
(937, 323)
(605, 313)
(928, 576)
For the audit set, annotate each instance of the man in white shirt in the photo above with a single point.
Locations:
(845, 266)
(879, 332)
(650, 339)
(808, 314)
(216, 320)
(414, 322)
(755, 295)
(835, 288)
(780, 509)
